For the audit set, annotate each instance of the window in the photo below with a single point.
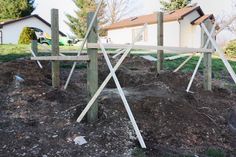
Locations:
(142, 38)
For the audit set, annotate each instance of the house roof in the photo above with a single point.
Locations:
(27, 17)
(203, 19)
(152, 18)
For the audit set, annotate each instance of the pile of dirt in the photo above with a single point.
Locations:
(36, 120)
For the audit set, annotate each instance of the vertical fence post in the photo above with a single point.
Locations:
(160, 38)
(34, 47)
(207, 62)
(55, 48)
(92, 69)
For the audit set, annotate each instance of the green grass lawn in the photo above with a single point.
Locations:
(217, 64)
(12, 52)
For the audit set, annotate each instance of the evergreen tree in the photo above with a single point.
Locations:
(26, 36)
(12, 9)
(78, 23)
(174, 4)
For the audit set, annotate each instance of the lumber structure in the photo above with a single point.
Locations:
(160, 41)
(61, 58)
(152, 47)
(94, 43)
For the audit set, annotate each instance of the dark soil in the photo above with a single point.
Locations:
(38, 121)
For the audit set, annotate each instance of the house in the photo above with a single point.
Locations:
(181, 28)
(10, 30)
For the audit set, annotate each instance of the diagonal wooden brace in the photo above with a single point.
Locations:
(84, 41)
(122, 95)
(200, 60)
(221, 53)
(107, 79)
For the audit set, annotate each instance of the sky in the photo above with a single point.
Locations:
(142, 7)
(43, 8)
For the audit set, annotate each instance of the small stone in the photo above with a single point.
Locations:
(44, 156)
(80, 140)
(54, 136)
(11, 100)
(35, 146)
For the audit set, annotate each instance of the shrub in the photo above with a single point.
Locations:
(26, 36)
(231, 48)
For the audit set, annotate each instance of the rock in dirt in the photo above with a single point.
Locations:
(80, 140)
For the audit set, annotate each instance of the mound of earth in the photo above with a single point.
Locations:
(36, 120)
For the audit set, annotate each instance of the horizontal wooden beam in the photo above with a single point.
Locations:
(150, 47)
(61, 58)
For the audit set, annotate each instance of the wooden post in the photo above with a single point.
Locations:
(92, 69)
(34, 47)
(207, 62)
(55, 48)
(160, 39)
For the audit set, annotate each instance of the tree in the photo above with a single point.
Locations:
(174, 4)
(78, 23)
(26, 36)
(227, 20)
(116, 9)
(12, 9)
(231, 49)
(111, 11)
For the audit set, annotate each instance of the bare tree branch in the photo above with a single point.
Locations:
(228, 20)
(116, 9)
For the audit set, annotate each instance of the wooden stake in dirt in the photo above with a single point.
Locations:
(221, 53)
(84, 41)
(92, 69)
(199, 61)
(207, 59)
(94, 98)
(55, 48)
(160, 36)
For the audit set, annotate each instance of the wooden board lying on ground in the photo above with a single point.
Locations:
(150, 47)
(61, 58)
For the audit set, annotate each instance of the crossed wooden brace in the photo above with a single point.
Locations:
(218, 50)
(121, 92)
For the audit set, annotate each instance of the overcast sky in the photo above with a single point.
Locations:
(43, 8)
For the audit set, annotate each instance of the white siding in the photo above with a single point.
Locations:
(171, 34)
(120, 36)
(190, 34)
(11, 32)
(176, 33)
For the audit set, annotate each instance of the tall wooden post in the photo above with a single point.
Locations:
(207, 62)
(92, 69)
(55, 48)
(160, 40)
(34, 47)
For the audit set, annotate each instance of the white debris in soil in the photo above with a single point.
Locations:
(54, 136)
(80, 140)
